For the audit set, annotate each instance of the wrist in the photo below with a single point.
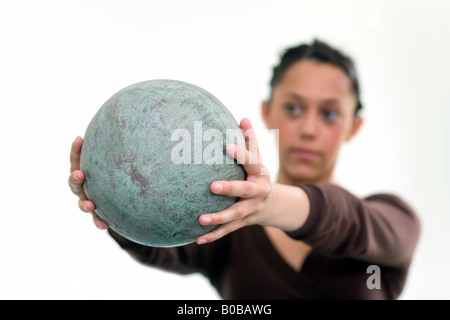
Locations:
(287, 207)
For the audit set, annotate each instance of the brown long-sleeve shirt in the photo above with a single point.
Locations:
(348, 234)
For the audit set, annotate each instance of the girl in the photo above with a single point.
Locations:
(303, 237)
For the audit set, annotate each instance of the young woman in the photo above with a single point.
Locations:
(303, 237)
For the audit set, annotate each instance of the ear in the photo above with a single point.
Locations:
(356, 125)
(265, 110)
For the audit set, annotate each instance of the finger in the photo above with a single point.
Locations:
(251, 141)
(242, 189)
(76, 180)
(86, 206)
(89, 207)
(238, 211)
(222, 231)
(99, 223)
(248, 160)
(245, 124)
(75, 152)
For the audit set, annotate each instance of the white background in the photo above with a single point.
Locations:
(60, 60)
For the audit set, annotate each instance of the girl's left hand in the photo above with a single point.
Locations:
(254, 193)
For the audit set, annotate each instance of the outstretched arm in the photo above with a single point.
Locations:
(382, 228)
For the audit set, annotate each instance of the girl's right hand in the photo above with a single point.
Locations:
(76, 180)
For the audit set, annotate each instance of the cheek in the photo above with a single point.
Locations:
(288, 132)
(332, 138)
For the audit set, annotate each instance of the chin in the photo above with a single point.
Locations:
(302, 174)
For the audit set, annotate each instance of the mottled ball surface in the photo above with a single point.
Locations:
(149, 156)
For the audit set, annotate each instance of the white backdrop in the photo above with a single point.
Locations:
(60, 60)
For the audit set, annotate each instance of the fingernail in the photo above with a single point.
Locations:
(101, 226)
(201, 241)
(206, 220)
(217, 188)
(75, 177)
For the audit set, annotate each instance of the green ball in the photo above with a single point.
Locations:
(149, 156)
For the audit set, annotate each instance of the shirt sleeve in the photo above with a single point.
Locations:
(177, 259)
(381, 228)
(206, 259)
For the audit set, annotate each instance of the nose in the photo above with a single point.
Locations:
(309, 126)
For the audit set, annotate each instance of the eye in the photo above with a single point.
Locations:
(330, 115)
(292, 109)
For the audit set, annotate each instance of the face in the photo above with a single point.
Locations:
(313, 107)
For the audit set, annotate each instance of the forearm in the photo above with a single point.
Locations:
(182, 260)
(287, 207)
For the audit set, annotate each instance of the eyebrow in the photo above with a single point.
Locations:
(295, 96)
(299, 98)
(332, 101)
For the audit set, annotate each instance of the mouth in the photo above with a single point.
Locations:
(305, 154)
